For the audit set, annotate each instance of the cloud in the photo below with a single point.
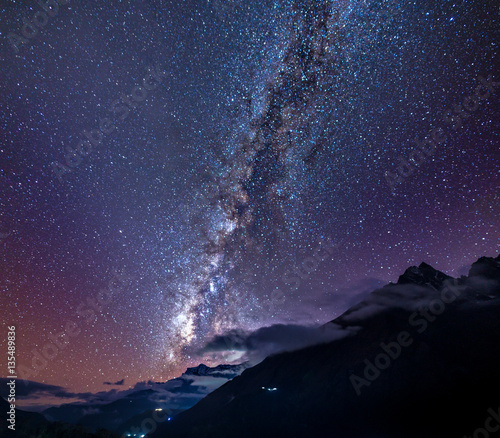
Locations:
(90, 411)
(35, 390)
(176, 394)
(408, 297)
(277, 338)
(119, 383)
(38, 396)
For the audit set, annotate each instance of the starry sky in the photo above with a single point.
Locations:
(171, 171)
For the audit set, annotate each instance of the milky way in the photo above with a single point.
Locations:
(249, 186)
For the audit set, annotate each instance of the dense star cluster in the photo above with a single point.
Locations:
(232, 165)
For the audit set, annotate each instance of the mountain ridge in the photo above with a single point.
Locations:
(121, 411)
(448, 377)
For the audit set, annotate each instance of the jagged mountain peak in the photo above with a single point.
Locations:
(487, 267)
(423, 275)
(222, 370)
(200, 370)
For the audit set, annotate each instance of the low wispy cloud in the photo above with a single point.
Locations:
(255, 346)
(119, 383)
(176, 394)
(37, 396)
(33, 389)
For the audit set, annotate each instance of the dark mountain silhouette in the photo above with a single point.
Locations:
(439, 377)
(110, 415)
(35, 425)
(175, 395)
(424, 275)
(25, 421)
(145, 420)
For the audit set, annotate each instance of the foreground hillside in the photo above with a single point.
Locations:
(423, 362)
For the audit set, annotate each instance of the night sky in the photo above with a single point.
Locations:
(170, 171)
